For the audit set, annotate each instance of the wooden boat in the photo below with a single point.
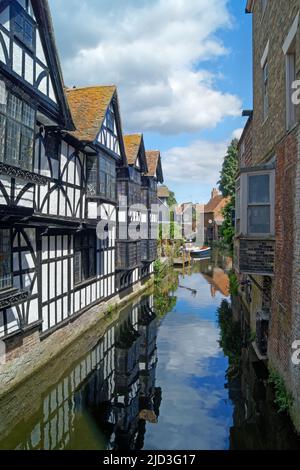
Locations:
(201, 253)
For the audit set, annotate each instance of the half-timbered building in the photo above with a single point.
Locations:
(33, 112)
(131, 213)
(150, 200)
(63, 171)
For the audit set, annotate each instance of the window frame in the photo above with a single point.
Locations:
(10, 255)
(17, 10)
(83, 247)
(243, 214)
(10, 120)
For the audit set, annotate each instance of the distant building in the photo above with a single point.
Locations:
(163, 194)
(213, 216)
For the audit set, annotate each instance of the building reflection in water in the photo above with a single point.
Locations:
(257, 425)
(113, 387)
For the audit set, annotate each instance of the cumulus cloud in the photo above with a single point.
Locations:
(200, 161)
(155, 51)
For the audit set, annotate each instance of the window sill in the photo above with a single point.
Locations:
(19, 173)
(11, 297)
(85, 282)
(267, 237)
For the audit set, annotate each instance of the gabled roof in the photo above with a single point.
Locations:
(154, 165)
(134, 148)
(88, 106)
(217, 202)
(43, 17)
(163, 192)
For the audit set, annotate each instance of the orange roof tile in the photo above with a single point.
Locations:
(163, 192)
(217, 203)
(152, 157)
(132, 146)
(88, 106)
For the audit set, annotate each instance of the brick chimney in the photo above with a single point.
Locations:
(215, 193)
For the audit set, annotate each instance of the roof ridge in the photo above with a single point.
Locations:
(89, 87)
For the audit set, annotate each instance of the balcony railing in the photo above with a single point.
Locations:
(128, 255)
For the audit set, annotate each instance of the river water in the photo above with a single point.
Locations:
(163, 376)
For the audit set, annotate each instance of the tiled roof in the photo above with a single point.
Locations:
(163, 192)
(217, 203)
(132, 146)
(153, 157)
(88, 106)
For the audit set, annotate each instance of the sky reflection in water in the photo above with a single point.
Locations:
(195, 411)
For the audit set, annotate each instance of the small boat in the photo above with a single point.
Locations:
(202, 253)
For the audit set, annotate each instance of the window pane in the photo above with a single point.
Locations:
(27, 140)
(3, 97)
(5, 259)
(2, 136)
(14, 108)
(28, 116)
(13, 135)
(92, 176)
(259, 219)
(259, 189)
(77, 267)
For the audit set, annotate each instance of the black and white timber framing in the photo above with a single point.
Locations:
(54, 187)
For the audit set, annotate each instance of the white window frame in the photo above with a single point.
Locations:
(244, 202)
(289, 50)
(265, 82)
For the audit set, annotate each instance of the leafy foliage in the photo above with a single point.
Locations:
(233, 283)
(283, 398)
(172, 200)
(227, 187)
(229, 170)
(231, 339)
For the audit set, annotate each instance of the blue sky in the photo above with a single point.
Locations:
(183, 71)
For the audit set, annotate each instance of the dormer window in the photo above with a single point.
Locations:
(23, 26)
(110, 119)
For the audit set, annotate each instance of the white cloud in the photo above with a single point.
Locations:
(155, 51)
(200, 161)
(237, 133)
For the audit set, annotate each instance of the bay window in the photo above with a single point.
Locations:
(255, 199)
(5, 259)
(85, 256)
(17, 123)
(101, 177)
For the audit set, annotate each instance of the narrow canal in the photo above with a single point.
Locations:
(172, 371)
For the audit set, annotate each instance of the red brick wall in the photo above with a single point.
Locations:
(281, 321)
(246, 146)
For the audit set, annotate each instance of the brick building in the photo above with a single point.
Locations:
(267, 244)
(213, 216)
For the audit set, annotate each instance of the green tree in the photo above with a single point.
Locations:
(172, 200)
(227, 187)
(229, 170)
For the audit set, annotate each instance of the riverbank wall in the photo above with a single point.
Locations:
(45, 353)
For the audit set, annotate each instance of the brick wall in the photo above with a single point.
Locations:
(256, 256)
(246, 145)
(273, 26)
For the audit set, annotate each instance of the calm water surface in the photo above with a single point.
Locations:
(157, 379)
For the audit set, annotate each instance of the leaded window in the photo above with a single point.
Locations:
(85, 256)
(17, 123)
(107, 177)
(5, 259)
(22, 26)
